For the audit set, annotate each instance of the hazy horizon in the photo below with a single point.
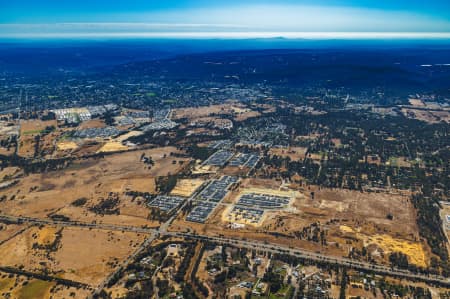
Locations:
(324, 19)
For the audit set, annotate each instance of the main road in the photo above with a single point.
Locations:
(243, 243)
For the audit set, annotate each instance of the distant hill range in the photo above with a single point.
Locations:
(354, 66)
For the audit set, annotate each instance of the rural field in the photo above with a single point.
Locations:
(99, 184)
(8, 231)
(231, 108)
(77, 254)
(294, 153)
(23, 287)
(29, 130)
(186, 187)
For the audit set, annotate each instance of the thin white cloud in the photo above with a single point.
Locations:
(238, 35)
(289, 21)
(306, 18)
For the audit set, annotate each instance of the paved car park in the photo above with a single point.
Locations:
(264, 201)
(163, 124)
(219, 158)
(221, 144)
(201, 212)
(217, 189)
(210, 197)
(97, 132)
(166, 203)
(244, 160)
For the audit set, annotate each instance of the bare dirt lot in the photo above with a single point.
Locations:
(82, 255)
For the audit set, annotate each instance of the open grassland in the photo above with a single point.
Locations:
(92, 123)
(66, 145)
(35, 289)
(81, 255)
(199, 112)
(32, 129)
(7, 231)
(294, 153)
(112, 146)
(240, 112)
(246, 115)
(9, 172)
(130, 134)
(22, 287)
(429, 116)
(41, 195)
(186, 187)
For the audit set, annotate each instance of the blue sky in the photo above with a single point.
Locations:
(28, 18)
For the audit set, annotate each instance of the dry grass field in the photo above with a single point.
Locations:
(28, 131)
(66, 145)
(429, 116)
(112, 146)
(124, 137)
(78, 254)
(7, 152)
(8, 128)
(31, 127)
(246, 115)
(199, 112)
(235, 170)
(9, 172)
(239, 112)
(38, 195)
(93, 123)
(8, 231)
(22, 287)
(186, 187)
(416, 102)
